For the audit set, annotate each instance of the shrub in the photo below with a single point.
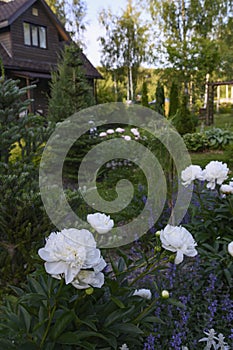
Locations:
(196, 141)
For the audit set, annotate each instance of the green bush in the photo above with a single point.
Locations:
(47, 314)
(196, 141)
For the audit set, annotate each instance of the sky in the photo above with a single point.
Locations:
(94, 29)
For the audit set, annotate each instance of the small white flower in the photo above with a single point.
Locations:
(100, 222)
(178, 239)
(120, 130)
(226, 189)
(102, 134)
(215, 173)
(124, 347)
(126, 137)
(110, 131)
(230, 248)
(143, 293)
(191, 173)
(135, 132)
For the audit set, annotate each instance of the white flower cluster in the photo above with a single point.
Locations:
(134, 131)
(72, 254)
(178, 240)
(214, 173)
(213, 341)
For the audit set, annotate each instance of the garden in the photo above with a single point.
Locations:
(170, 288)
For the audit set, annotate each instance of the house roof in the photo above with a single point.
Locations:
(9, 12)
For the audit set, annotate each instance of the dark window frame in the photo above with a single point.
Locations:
(38, 35)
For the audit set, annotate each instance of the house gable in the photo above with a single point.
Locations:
(31, 38)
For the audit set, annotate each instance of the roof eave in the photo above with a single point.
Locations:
(4, 24)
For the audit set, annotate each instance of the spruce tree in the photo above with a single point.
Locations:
(183, 120)
(174, 100)
(160, 99)
(145, 94)
(70, 90)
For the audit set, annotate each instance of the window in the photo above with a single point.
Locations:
(35, 11)
(27, 36)
(35, 35)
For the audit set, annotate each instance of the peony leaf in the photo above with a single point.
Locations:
(61, 323)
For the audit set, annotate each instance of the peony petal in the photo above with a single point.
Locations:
(45, 255)
(100, 266)
(179, 257)
(56, 267)
(71, 273)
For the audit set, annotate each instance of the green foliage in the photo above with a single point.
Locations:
(219, 138)
(71, 14)
(183, 120)
(11, 105)
(70, 91)
(160, 98)
(126, 43)
(173, 100)
(196, 141)
(22, 218)
(214, 138)
(48, 314)
(211, 219)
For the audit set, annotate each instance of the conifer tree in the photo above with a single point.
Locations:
(160, 99)
(183, 120)
(70, 91)
(174, 100)
(145, 94)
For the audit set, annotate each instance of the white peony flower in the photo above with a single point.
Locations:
(215, 172)
(143, 293)
(100, 222)
(68, 252)
(230, 248)
(178, 239)
(120, 130)
(135, 132)
(226, 189)
(126, 137)
(102, 134)
(191, 173)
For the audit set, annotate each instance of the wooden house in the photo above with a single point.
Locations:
(31, 37)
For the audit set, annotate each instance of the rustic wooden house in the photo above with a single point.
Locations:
(31, 37)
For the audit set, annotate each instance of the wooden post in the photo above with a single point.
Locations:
(218, 98)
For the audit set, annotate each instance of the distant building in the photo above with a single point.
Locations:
(31, 37)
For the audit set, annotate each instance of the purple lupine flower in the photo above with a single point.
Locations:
(149, 344)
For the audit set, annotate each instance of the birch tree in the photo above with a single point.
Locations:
(125, 43)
